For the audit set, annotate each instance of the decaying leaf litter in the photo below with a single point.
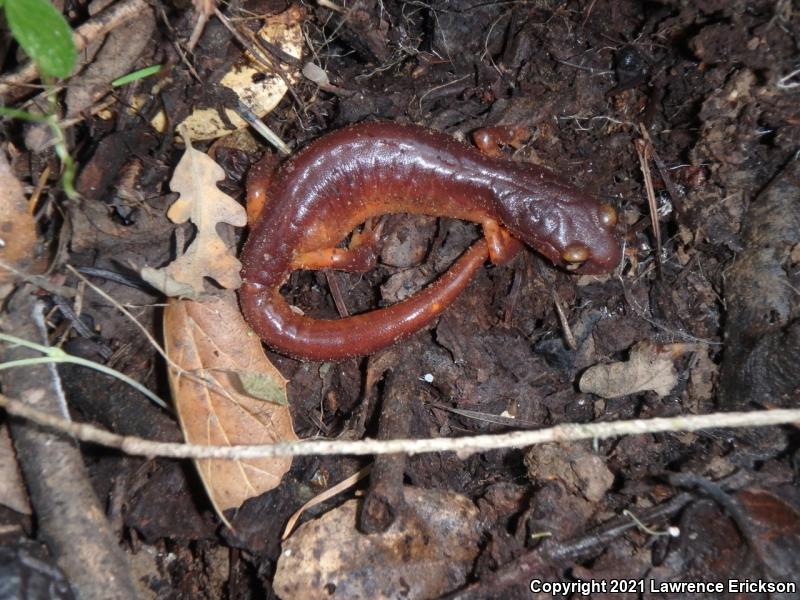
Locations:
(711, 83)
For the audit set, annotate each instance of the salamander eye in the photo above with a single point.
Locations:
(575, 254)
(608, 216)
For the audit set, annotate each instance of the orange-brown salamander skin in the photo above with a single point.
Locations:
(322, 193)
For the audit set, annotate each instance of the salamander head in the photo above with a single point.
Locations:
(573, 230)
(590, 244)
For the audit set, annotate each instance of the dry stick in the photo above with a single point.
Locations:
(33, 201)
(464, 445)
(69, 516)
(483, 417)
(588, 13)
(542, 558)
(262, 129)
(99, 25)
(513, 294)
(677, 202)
(93, 110)
(203, 15)
(385, 499)
(332, 277)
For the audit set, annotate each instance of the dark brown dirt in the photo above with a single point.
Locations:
(703, 79)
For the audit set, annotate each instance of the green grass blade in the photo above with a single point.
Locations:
(136, 75)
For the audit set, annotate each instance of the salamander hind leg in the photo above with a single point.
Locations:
(490, 140)
(360, 256)
(502, 245)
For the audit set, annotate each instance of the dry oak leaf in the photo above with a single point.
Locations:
(648, 368)
(427, 552)
(210, 340)
(202, 203)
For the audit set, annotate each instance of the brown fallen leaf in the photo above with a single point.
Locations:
(648, 368)
(703, 377)
(245, 402)
(18, 241)
(203, 204)
(424, 554)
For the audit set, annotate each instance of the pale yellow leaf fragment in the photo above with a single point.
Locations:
(202, 203)
(257, 86)
(649, 367)
(211, 341)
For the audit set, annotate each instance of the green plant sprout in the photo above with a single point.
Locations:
(44, 34)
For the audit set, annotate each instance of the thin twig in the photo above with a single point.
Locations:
(569, 337)
(201, 9)
(64, 502)
(464, 445)
(39, 281)
(786, 83)
(588, 13)
(261, 128)
(336, 292)
(439, 87)
(592, 70)
(193, 376)
(509, 422)
(677, 201)
(331, 6)
(81, 328)
(132, 319)
(643, 149)
(138, 283)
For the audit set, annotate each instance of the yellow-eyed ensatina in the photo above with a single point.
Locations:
(318, 196)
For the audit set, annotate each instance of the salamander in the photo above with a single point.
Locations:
(345, 178)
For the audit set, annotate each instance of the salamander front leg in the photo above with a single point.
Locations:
(502, 245)
(360, 256)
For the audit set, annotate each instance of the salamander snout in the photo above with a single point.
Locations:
(599, 249)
